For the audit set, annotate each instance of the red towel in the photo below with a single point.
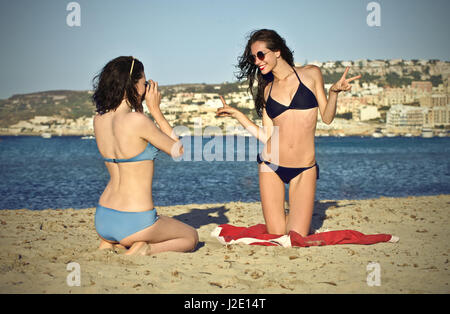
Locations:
(257, 235)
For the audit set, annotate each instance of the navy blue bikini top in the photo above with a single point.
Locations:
(303, 99)
(149, 153)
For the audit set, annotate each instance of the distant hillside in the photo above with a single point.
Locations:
(76, 104)
(63, 103)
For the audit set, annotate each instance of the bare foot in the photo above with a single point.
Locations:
(105, 245)
(119, 247)
(139, 248)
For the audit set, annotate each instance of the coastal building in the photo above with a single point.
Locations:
(213, 103)
(347, 63)
(190, 108)
(446, 79)
(406, 116)
(425, 101)
(316, 63)
(20, 127)
(366, 112)
(439, 100)
(434, 100)
(395, 61)
(366, 89)
(349, 104)
(362, 63)
(328, 65)
(422, 86)
(441, 115)
(398, 95)
(377, 63)
(242, 100)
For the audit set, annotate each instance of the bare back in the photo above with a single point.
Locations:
(130, 185)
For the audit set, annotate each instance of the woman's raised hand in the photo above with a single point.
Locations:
(343, 84)
(152, 96)
(226, 110)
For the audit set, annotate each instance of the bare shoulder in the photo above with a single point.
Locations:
(97, 117)
(309, 70)
(139, 122)
(136, 118)
(99, 120)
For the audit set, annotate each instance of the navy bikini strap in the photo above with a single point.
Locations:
(296, 74)
(271, 85)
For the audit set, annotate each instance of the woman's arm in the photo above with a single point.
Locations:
(147, 130)
(153, 100)
(164, 124)
(263, 134)
(327, 107)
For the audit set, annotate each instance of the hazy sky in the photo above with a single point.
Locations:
(196, 41)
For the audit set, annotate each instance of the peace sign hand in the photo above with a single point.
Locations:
(343, 83)
(226, 110)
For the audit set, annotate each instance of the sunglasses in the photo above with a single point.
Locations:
(260, 55)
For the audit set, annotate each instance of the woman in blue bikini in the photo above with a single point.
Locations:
(128, 140)
(289, 107)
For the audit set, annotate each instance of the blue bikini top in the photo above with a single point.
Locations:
(303, 99)
(149, 153)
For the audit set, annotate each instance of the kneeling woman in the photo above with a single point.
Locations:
(288, 105)
(128, 140)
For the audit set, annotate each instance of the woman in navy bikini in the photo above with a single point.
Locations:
(288, 105)
(128, 140)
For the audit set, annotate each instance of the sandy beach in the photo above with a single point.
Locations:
(37, 246)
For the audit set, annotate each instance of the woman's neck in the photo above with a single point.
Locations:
(124, 106)
(282, 70)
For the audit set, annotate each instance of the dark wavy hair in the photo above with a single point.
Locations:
(115, 82)
(249, 71)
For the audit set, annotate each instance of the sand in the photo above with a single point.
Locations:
(37, 246)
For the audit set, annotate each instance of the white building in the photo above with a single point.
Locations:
(365, 113)
(441, 115)
(395, 61)
(347, 63)
(214, 103)
(328, 65)
(316, 63)
(406, 116)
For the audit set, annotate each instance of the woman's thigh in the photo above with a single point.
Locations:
(302, 191)
(164, 229)
(272, 191)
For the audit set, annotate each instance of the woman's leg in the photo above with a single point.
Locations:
(302, 191)
(272, 191)
(166, 234)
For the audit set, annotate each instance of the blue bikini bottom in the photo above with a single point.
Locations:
(115, 225)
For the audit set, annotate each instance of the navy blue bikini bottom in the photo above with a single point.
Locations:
(286, 174)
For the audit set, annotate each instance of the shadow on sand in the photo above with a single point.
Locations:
(197, 218)
(319, 215)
